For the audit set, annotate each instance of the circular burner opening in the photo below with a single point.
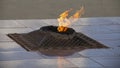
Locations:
(54, 29)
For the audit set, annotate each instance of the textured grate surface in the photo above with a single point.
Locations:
(38, 40)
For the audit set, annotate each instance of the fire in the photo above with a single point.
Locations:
(64, 22)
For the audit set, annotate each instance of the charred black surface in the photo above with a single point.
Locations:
(48, 40)
(54, 29)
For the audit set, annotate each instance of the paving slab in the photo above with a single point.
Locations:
(5, 38)
(97, 53)
(110, 43)
(50, 22)
(10, 46)
(33, 23)
(101, 21)
(104, 29)
(111, 36)
(18, 55)
(115, 20)
(92, 29)
(116, 50)
(37, 63)
(15, 30)
(84, 63)
(10, 24)
(108, 61)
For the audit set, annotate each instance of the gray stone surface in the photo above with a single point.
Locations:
(108, 61)
(84, 62)
(4, 38)
(97, 53)
(110, 43)
(104, 29)
(18, 55)
(10, 24)
(37, 63)
(17, 30)
(10, 46)
(34, 24)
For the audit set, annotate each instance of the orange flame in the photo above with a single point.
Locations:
(64, 22)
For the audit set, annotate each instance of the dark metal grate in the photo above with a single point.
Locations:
(43, 40)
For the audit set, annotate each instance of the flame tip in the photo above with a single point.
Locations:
(64, 22)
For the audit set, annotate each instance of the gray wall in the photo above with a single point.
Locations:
(49, 9)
